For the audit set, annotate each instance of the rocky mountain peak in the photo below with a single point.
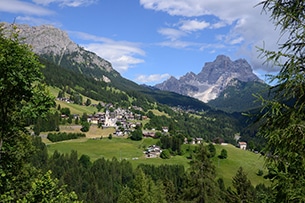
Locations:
(188, 76)
(214, 78)
(46, 40)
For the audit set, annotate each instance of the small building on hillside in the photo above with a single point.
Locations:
(165, 129)
(242, 145)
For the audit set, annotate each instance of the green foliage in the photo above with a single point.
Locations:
(244, 191)
(76, 98)
(282, 116)
(110, 137)
(99, 107)
(211, 150)
(48, 123)
(45, 189)
(84, 118)
(85, 127)
(223, 154)
(165, 154)
(66, 111)
(201, 183)
(60, 136)
(239, 97)
(88, 102)
(81, 82)
(136, 135)
(144, 189)
(23, 96)
(173, 143)
(84, 161)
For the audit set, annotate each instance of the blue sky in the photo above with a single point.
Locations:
(148, 41)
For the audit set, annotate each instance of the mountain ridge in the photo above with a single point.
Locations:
(54, 44)
(66, 54)
(211, 80)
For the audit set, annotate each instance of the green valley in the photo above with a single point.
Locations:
(123, 148)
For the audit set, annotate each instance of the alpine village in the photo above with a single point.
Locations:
(72, 129)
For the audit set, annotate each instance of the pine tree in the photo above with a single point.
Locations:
(244, 189)
(201, 185)
(283, 114)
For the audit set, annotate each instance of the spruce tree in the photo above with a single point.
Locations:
(283, 114)
(201, 185)
(244, 189)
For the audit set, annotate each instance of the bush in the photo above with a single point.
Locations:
(85, 127)
(223, 154)
(110, 136)
(165, 154)
(136, 135)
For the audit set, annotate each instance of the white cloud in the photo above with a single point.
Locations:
(228, 10)
(248, 26)
(70, 3)
(193, 25)
(172, 34)
(21, 7)
(179, 44)
(36, 21)
(154, 78)
(121, 54)
(219, 24)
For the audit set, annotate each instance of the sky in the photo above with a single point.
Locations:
(147, 41)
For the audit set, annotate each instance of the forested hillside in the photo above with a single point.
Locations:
(209, 124)
(240, 96)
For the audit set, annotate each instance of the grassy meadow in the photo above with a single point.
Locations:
(123, 148)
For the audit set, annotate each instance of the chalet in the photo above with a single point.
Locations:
(148, 134)
(242, 145)
(197, 140)
(153, 151)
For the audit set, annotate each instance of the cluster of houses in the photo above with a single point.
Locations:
(121, 119)
(196, 140)
(153, 151)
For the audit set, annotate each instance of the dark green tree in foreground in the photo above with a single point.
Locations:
(22, 96)
(283, 116)
(244, 191)
(201, 185)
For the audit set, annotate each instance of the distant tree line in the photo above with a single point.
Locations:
(61, 136)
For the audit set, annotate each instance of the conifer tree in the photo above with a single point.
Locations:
(201, 185)
(283, 115)
(244, 189)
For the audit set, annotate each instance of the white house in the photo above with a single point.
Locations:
(242, 145)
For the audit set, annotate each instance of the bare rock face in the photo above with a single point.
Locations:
(212, 80)
(54, 43)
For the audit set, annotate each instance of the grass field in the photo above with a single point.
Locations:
(251, 163)
(123, 148)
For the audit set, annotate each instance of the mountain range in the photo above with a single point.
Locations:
(191, 91)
